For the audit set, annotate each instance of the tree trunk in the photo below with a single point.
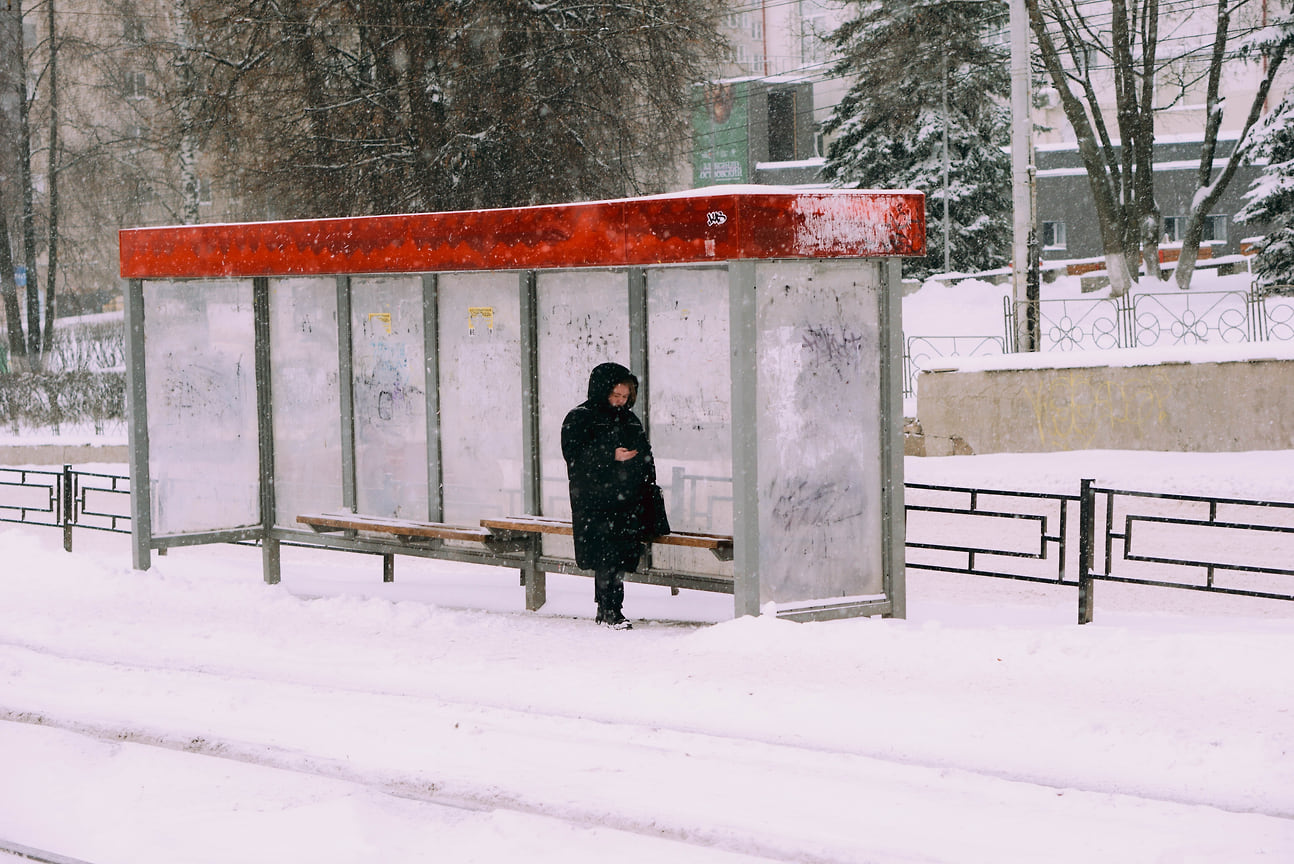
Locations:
(28, 206)
(51, 266)
(9, 287)
(1103, 178)
(190, 184)
(1209, 188)
(1150, 219)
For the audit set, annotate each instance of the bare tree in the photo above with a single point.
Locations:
(51, 242)
(1079, 43)
(1270, 44)
(1121, 178)
(369, 106)
(12, 95)
(186, 131)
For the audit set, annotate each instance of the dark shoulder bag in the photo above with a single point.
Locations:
(655, 519)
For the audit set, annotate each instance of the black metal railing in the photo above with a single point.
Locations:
(1076, 324)
(65, 499)
(1160, 318)
(926, 352)
(1237, 546)
(1200, 543)
(989, 532)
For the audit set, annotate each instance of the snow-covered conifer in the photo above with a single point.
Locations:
(907, 61)
(1271, 197)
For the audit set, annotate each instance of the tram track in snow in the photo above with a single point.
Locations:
(582, 755)
(603, 726)
(420, 788)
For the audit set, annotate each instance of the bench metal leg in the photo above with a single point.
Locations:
(388, 567)
(271, 561)
(534, 578)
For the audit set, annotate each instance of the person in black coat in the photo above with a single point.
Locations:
(609, 463)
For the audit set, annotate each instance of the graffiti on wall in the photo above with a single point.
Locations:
(1073, 410)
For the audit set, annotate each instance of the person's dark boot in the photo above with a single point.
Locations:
(616, 621)
(614, 595)
(601, 590)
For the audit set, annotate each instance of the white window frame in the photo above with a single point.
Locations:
(1059, 235)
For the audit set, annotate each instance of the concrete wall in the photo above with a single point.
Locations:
(58, 455)
(1211, 406)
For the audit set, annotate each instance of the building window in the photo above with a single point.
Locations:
(781, 125)
(136, 85)
(1053, 235)
(1215, 229)
(1182, 83)
(133, 30)
(1174, 228)
(136, 138)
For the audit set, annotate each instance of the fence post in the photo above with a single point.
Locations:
(1008, 315)
(1086, 550)
(1127, 319)
(68, 515)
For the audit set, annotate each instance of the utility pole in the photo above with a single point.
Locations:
(1024, 288)
(948, 237)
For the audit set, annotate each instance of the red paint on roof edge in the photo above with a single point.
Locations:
(690, 228)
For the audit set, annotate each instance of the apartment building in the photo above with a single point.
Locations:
(115, 160)
(759, 120)
(1066, 225)
(780, 65)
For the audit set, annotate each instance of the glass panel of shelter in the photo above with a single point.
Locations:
(202, 419)
(390, 393)
(480, 395)
(306, 389)
(583, 320)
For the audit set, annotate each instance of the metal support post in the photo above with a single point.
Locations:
(1086, 550)
(431, 360)
(745, 446)
(532, 574)
(346, 386)
(893, 513)
(637, 283)
(270, 550)
(69, 514)
(141, 497)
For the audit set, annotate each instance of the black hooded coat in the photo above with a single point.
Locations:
(606, 495)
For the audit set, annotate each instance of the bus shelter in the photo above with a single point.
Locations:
(414, 370)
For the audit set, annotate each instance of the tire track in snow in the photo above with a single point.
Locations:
(530, 715)
(737, 795)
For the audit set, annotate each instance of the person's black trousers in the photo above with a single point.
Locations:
(609, 592)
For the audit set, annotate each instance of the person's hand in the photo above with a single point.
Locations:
(624, 455)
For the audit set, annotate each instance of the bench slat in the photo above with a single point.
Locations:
(395, 527)
(546, 525)
(529, 525)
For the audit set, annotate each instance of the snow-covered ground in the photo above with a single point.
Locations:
(191, 713)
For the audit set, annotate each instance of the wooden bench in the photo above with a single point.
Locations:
(405, 529)
(719, 544)
(408, 531)
(503, 538)
(531, 528)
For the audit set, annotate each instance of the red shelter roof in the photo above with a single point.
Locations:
(715, 224)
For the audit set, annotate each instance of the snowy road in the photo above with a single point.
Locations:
(808, 801)
(195, 706)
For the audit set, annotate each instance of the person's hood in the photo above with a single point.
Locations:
(604, 378)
